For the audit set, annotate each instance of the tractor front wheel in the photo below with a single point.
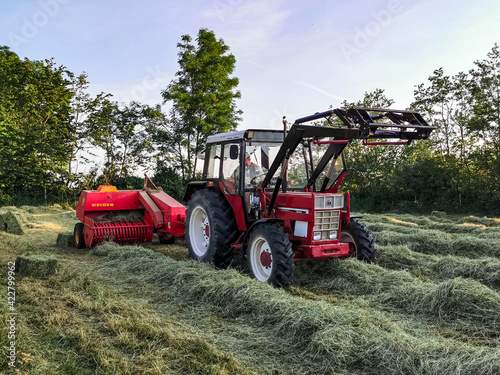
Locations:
(78, 235)
(210, 228)
(360, 240)
(270, 255)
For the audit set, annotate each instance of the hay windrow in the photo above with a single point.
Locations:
(452, 303)
(437, 242)
(397, 221)
(429, 307)
(313, 326)
(441, 268)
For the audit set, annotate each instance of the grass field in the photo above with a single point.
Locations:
(430, 306)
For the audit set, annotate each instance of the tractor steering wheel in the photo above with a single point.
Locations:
(257, 180)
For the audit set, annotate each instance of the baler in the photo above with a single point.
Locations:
(127, 216)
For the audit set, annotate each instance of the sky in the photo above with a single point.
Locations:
(293, 57)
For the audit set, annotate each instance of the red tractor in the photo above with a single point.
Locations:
(275, 196)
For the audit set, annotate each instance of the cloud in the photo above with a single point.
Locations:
(249, 27)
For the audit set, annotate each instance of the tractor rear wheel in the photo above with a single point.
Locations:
(210, 228)
(360, 240)
(78, 235)
(270, 255)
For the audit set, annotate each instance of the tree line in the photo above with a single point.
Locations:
(56, 139)
(458, 169)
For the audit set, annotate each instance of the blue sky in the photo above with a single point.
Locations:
(293, 58)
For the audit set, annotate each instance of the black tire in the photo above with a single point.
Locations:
(361, 241)
(166, 239)
(270, 256)
(78, 236)
(213, 245)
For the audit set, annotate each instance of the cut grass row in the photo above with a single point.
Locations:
(73, 324)
(466, 236)
(440, 268)
(344, 339)
(463, 305)
(435, 242)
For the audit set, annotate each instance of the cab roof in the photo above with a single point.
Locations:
(256, 135)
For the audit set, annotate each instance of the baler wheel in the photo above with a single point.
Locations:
(79, 236)
(270, 255)
(210, 228)
(360, 240)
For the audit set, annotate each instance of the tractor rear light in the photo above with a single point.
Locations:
(317, 236)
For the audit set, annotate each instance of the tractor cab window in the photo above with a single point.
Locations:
(299, 168)
(230, 167)
(213, 162)
(258, 158)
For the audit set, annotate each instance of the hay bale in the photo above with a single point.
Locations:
(10, 222)
(66, 239)
(39, 266)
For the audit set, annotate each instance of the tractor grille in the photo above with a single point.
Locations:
(326, 225)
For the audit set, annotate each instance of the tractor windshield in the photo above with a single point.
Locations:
(305, 160)
(258, 158)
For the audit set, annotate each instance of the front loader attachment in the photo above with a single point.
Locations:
(378, 123)
(355, 123)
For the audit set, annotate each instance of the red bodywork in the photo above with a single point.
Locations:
(298, 209)
(128, 216)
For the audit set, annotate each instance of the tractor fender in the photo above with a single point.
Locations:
(258, 222)
(193, 187)
(351, 218)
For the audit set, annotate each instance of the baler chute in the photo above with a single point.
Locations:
(127, 216)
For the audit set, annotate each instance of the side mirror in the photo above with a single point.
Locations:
(233, 152)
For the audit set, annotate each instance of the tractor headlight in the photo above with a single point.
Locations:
(333, 234)
(329, 201)
(338, 201)
(316, 236)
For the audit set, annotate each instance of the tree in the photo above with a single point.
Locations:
(203, 96)
(35, 137)
(368, 166)
(84, 111)
(485, 92)
(121, 134)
